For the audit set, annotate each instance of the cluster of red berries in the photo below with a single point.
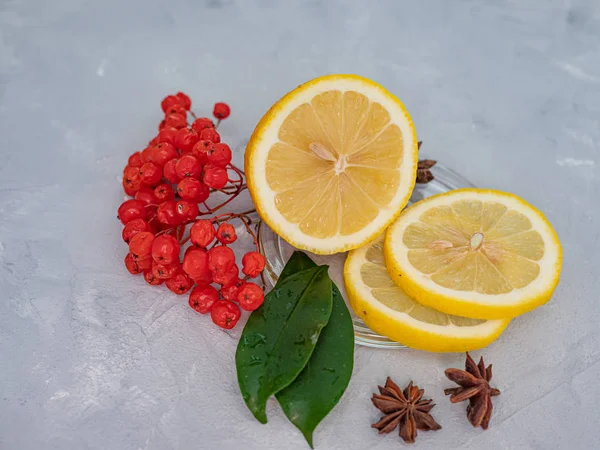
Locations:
(178, 171)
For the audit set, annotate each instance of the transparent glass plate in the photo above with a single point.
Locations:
(277, 251)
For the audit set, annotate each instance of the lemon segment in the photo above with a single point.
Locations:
(332, 163)
(386, 309)
(474, 253)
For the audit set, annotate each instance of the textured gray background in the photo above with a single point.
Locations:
(505, 92)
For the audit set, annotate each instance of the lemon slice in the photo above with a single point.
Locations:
(332, 163)
(475, 253)
(386, 309)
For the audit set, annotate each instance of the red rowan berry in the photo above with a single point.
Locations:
(186, 210)
(202, 233)
(169, 101)
(132, 265)
(221, 111)
(146, 195)
(131, 209)
(150, 174)
(135, 160)
(250, 296)
(230, 291)
(220, 259)
(202, 298)
(219, 155)
(188, 166)
(165, 271)
(133, 227)
(201, 149)
(195, 264)
(140, 245)
(253, 263)
(151, 278)
(176, 108)
(201, 123)
(145, 263)
(131, 180)
(164, 192)
(175, 121)
(165, 249)
(226, 233)
(226, 277)
(179, 283)
(167, 213)
(184, 100)
(225, 314)
(167, 135)
(193, 190)
(185, 139)
(215, 177)
(163, 153)
(128, 189)
(210, 134)
(147, 154)
(169, 172)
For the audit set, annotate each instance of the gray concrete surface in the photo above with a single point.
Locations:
(505, 92)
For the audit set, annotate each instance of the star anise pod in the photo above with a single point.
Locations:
(474, 384)
(405, 409)
(424, 175)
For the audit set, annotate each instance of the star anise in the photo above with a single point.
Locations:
(474, 386)
(424, 175)
(405, 409)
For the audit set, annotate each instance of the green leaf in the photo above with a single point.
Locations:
(280, 336)
(318, 388)
(297, 262)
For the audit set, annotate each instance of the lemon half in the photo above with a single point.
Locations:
(474, 253)
(332, 163)
(386, 309)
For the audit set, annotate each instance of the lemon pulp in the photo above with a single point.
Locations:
(336, 164)
(472, 245)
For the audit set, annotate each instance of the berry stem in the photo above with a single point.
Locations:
(237, 170)
(250, 231)
(227, 216)
(219, 206)
(227, 190)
